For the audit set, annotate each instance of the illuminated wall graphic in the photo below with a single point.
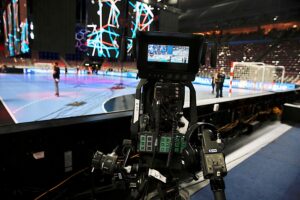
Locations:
(24, 26)
(15, 24)
(24, 37)
(80, 37)
(129, 45)
(5, 26)
(10, 40)
(141, 18)
(16, 29)
(102, 35)
(102, 38)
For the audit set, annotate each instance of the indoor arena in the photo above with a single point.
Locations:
(150, 99)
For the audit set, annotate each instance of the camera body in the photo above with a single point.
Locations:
(159, 141)
(167, 64)
(167, 106)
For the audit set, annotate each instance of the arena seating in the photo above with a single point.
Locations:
(279, 48)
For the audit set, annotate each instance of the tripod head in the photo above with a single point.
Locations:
(167, 64)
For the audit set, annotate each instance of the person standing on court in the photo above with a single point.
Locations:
(213, 81)
(56, 77)
(220, 82)
(66, 69)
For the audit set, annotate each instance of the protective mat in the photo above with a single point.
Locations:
(272, 173)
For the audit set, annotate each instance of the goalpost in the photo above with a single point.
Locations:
(255, 75)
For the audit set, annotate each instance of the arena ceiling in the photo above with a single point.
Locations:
(199, 15)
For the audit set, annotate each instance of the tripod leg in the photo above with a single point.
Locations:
(217, 186)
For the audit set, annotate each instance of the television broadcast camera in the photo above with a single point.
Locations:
(166, 146)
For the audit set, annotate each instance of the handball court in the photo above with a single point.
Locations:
(30, 97)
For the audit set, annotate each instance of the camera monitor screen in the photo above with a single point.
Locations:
(168, 53)
(168, 56)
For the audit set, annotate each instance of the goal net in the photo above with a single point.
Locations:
(255, 75)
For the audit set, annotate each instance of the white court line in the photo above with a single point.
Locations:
(292, 105)
(103, 106)
(29, 104)
(104, 102)
(8, 110)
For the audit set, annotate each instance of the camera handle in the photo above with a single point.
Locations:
(193, 104)
(134, 129)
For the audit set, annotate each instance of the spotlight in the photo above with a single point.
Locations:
(32, 35)
(31, 26)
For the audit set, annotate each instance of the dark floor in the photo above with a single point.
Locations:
(5, 117)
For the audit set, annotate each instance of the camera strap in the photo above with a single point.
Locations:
(136, 109)
(193, 106)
